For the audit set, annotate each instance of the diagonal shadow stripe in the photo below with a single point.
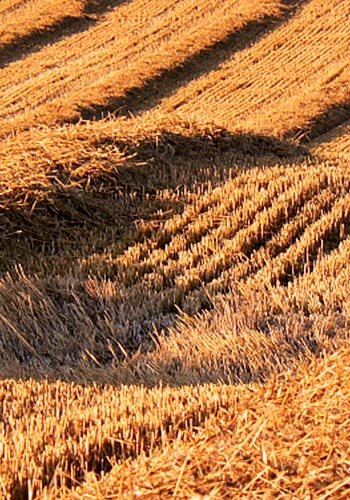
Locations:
(140, 99)
(67, 26)
(333, 116)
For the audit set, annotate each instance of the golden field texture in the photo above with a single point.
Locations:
(22, 19)
(175, 249)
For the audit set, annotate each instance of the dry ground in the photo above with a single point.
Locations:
(175, 249)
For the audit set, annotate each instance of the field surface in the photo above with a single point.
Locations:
(174, 249)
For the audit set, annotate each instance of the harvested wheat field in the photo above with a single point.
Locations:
(175, 249)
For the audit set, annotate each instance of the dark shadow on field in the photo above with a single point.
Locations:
(65, 27)
(70, 214)
(52, 316)
(324, 123)
(168, 81)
